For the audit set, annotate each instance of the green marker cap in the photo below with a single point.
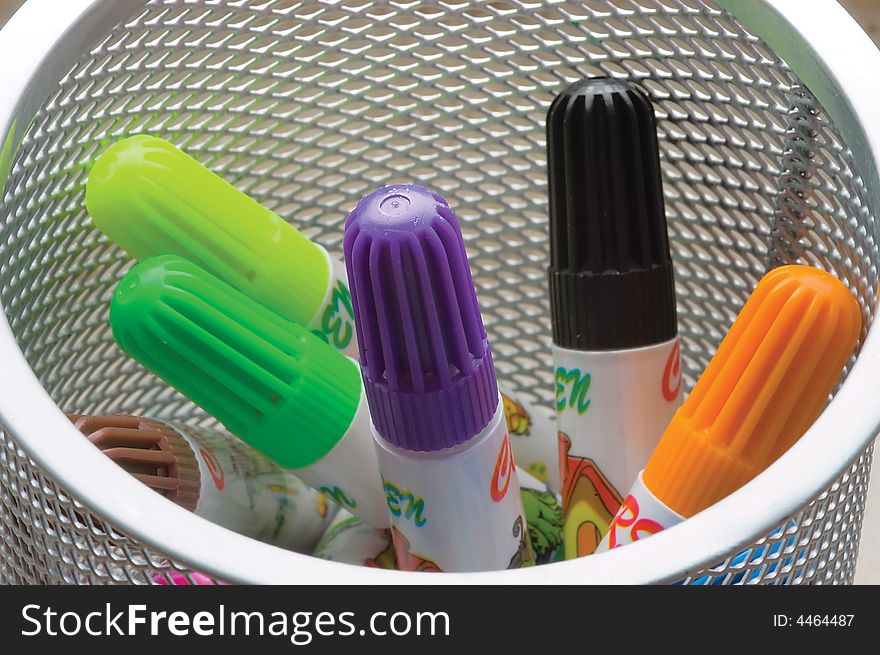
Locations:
(271, 382)
(151, 199)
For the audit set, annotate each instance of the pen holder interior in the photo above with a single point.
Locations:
(307, 107)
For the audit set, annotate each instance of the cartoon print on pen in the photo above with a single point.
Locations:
(544, 522)
(519, 421)
(589, 501)
(519, 426)
(408, 560)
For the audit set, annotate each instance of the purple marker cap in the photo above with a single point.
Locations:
(425, 358)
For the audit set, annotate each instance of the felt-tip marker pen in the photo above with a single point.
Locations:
(215, 476)
(269, 381)
(438, 420)
(151, 198)
(766, 384)
(612, 299)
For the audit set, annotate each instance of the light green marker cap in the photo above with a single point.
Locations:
(271, 382)
(151, 199)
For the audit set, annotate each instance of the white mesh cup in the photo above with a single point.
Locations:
(769, 155)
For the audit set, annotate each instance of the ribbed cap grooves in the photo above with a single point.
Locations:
(766, 384)
(269, 381)
(425, 358)
(610, 275)
(150, 451)
(151, 199)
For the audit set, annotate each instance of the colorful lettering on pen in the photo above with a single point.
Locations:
(628, 517)
(503, 472)
(405, 503)
(214, 468)
(339, 496)
(337, 327)
(671, 384)
(572, 389)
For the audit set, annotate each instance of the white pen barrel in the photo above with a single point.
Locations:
(349, 473)
(612, 408)
(641, 515)
(459, 509)
(248, 493)
(350, 541)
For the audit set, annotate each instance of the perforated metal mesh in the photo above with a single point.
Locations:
(309, 106)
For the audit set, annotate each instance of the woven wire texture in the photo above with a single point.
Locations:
(308, 106)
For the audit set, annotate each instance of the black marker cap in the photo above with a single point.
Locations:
(611, 280)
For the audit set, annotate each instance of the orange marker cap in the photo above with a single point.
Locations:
(764, 387)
